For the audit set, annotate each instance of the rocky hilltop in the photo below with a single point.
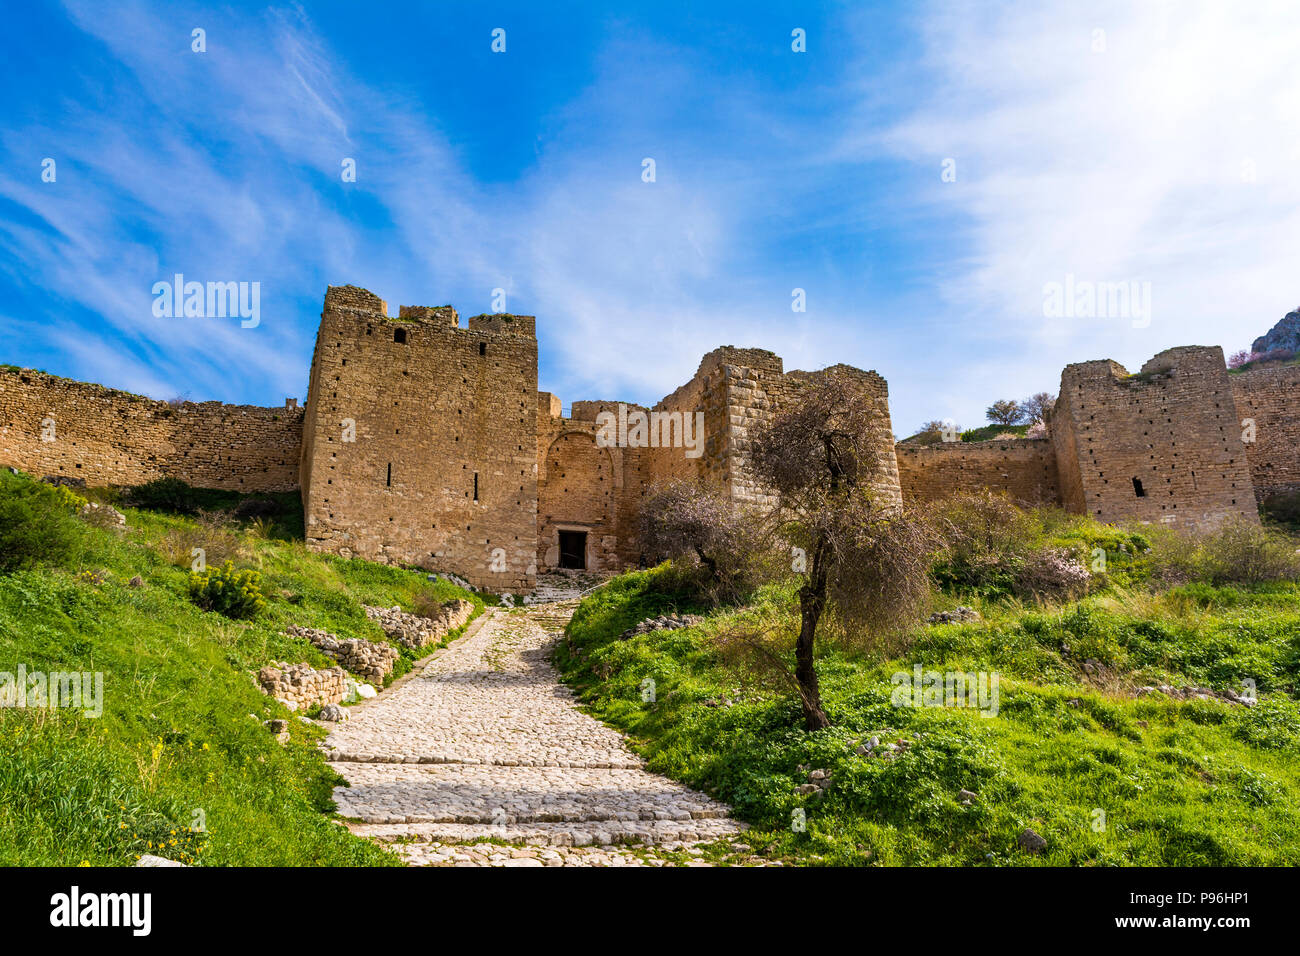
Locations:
(1284, 335)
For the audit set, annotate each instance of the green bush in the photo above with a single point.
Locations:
(1284, 508)
(996, 549)
(1242, 552)
(37, 524)
(228, 590)
(164, 494)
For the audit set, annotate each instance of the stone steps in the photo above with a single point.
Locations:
(461, 793)
(555, 834)
(614, 761)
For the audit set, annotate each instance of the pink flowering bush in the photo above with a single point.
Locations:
(1053, 574)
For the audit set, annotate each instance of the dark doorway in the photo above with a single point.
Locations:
(573, 550)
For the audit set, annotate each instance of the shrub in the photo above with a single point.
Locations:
(229, 591)
(987, 542)
(1242, 552)
(1284, 507)
(37, 524)
(164, 494)
(1238, 359)
(1054, 574)
(720, 546)
(213, 532)
(69, 498)
(1238, 552)
(1089, 634)
(426, 604)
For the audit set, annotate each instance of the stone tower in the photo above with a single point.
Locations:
(420, 439)
(1162, 445)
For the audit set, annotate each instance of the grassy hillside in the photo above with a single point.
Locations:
(176, 743)
(1105, 776)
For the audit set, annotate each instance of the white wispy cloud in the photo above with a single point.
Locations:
(1170, 155)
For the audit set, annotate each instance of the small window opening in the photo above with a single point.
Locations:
(482, 348)
(390, 474)
(1137, 488)
(399, 335)
(476, 486)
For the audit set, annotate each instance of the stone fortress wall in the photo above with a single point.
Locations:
(1269, 399)
(425, 442)
(1181, 441)
(1162, 445)
(1022, 468)
(53, 426)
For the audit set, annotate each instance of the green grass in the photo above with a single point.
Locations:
(176, 743)
(1190, 783)
(983, 433)
(990, 432)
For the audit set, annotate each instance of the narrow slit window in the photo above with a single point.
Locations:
(482, 348)
(390, 474)
(1138, 489)
(476, 486)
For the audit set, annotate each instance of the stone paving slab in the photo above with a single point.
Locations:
(581, 833)
(467, 793)
(491, 854)
(489, 698)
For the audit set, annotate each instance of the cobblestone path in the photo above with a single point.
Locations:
(485, 742)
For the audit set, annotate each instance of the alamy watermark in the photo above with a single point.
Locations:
(921, 688)
(213, 300)
(640, 429)
(75, 690)
(1084, 299)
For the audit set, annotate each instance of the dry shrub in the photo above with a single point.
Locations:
(720, 551)
(881, 582)
(213, 531)
(426, 604)
(1237, 552)
(995, 548)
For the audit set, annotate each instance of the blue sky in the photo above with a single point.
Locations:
(1156, 143)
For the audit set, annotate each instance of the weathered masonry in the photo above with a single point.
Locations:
(53, 426)
(425, 442)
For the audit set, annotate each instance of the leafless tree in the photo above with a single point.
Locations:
(1038, 406)
(863, 560)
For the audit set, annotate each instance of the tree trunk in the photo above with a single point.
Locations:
(812, 601)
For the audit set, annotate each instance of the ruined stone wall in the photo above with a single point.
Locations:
(1024, 469)
(108, 437)
(1160, 446)
(1069, 474)
(442, 469)
(1270, 398)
